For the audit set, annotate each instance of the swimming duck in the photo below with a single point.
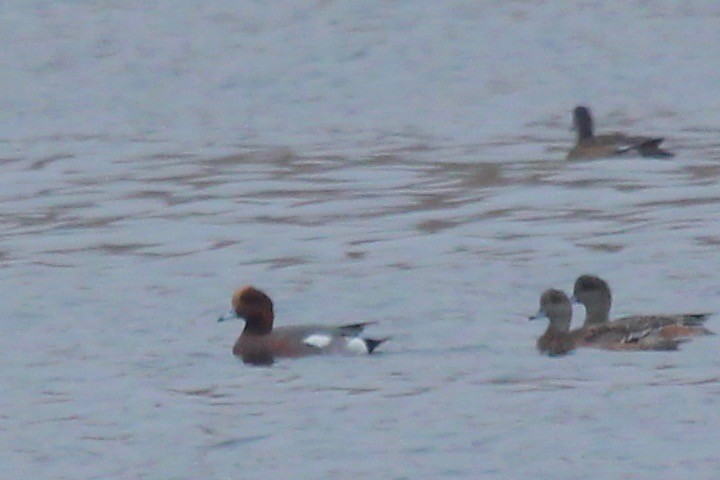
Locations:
(594, 293)
(589, 145)
(260, 343)
(557, 339)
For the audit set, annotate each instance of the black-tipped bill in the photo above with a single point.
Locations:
(231, 315)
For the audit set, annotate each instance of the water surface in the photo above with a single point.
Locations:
(382, 161)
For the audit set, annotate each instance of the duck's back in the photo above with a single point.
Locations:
(601, 146)
(610, 336)
(301, 341)
(615, 145)
(687, 324)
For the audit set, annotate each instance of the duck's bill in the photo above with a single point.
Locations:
(231, 315)
(538, 316)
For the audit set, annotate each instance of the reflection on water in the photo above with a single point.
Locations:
(112, 214)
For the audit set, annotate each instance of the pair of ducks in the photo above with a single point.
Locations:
(589, 145)
(261, 344)
(637, 332)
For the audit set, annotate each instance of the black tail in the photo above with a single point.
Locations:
(372, 343)
(651, 148)
(695, 319)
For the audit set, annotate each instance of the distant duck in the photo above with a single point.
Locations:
(558, 339)
(261, 344)
(594, 294)
(591, 146)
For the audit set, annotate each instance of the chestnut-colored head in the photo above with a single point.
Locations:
(582, 123)
(255, 307)
(594, 293)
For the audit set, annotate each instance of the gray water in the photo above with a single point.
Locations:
(399, 162)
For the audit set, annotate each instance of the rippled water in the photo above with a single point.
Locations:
(377, 161)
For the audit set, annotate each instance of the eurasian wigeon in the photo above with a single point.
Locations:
(558, 339)
(594, 293)
(591, 146)
(260, 343)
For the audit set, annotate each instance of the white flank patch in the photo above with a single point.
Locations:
(356, 345)
(317, 340)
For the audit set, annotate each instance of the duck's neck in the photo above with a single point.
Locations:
(583, 124)
(584, 130)
(597, 313)
(258, 323)
(558, 326)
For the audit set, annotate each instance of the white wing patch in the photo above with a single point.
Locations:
(318, 340)
(356, 345)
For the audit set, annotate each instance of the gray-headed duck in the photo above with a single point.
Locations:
(260, 343)
(594, 293)
(557, 339)
(591, 146)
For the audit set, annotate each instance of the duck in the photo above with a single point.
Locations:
(591, 146)
(594, 294)
(559, 339)
(260, 343)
